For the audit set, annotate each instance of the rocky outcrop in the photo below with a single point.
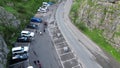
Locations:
(103, 15)
(7, 18)
(3, 52)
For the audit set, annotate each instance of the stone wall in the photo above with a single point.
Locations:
(3, 52)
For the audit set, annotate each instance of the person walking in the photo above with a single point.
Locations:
(38, 62)
(45, 24)
(44, 30)
(35, 62)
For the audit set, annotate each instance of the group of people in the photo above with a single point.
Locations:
(45, 24)
(44, 27)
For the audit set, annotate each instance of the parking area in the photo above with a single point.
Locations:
(40, 48)
(66, 55)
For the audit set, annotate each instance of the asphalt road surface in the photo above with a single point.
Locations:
(42, 49)
(89, 54)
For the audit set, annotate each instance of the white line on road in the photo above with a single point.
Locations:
(69, 60)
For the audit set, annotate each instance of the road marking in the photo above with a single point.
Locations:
(76, 66)
(60, 48)
(65, 53)
(58, 55)
(68, 60)
(56, 48)
(57, 44)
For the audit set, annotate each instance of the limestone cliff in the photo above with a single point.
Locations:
(100, 14)
(7, 24)
(3, 52)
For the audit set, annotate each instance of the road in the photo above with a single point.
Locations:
(42, 48)
(89, 54)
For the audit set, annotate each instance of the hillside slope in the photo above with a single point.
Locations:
(100, 20)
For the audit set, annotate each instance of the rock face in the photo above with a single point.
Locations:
(3, 52)
(103, 15)
(7, 18)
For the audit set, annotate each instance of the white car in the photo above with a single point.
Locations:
(43, 9)
(46, 4)
(27, 34)
(30, 67)
(20, 49)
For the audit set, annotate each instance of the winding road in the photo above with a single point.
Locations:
(89, 54)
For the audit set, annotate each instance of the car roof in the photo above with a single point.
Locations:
(25, 31)
(16, 48)
(30, 67)
(36, 18)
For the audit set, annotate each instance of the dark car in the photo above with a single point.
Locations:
(50, 3)
(32, 26)
(34, 19)
(20, 56)
(23, 39)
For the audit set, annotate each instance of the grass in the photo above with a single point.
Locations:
(95, 35)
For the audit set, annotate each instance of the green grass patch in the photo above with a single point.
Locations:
(10, 9)
(117, 33)
(97, 37)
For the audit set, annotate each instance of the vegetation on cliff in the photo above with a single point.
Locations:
(99, 20)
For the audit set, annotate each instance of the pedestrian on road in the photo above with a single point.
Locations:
(45, 24)
(39, 65)
(38, 62)
(36, 30)
(44, 30)
(35, 62)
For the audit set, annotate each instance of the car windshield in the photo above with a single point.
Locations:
(17, 50)
(21, 53)
(43, 7)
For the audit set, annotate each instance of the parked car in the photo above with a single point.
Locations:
(24, 39)
(43, 9)
(50, 3)
(34, 19)
(27, 33)
(30, 67)
(20, 49)
(20, 56)
(46, 4)
(32, 26)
